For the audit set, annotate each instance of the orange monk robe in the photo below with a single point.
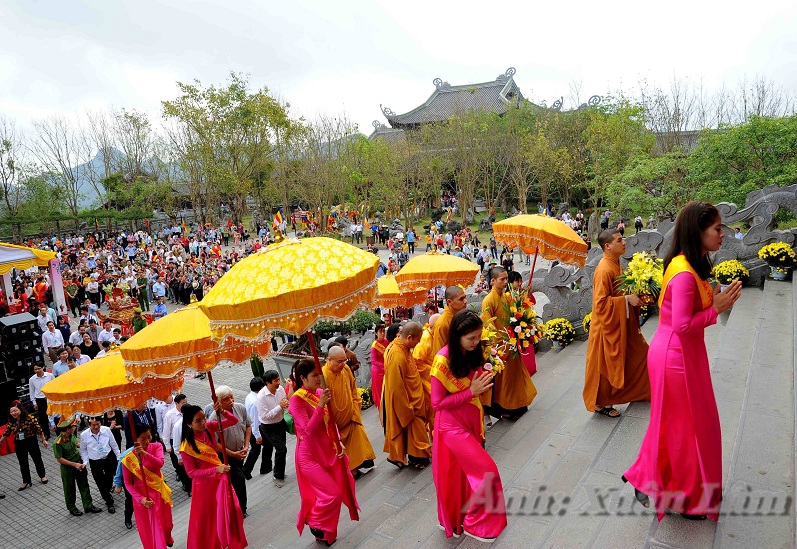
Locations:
(617, 353)
(440, 331)
(512, 388)
(346, 407)
(422, 353)
(403, 406)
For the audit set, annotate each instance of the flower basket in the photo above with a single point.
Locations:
(493, 348)
(560, 330)
(729, 271)
(778, 254)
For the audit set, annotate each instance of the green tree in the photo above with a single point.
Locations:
(736, 160)
(226, 136)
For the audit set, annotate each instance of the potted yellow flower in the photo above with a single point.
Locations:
(561, 332)
(780, 257)
(585, 323)
(729, 271)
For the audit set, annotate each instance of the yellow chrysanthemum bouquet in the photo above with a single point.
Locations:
(642, 277)
(586, 322)
(729, 271)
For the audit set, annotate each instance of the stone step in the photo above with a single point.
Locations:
(758, 509)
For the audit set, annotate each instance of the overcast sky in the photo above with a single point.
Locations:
(60, 56)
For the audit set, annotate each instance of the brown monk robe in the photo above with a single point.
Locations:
(513, 390)
(404, 403)
(617, 353)
(456, 301)
(346, 407)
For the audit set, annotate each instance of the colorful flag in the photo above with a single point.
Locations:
(229, 223)
(448, 217)
(146, 223)
(278, 218)
(182, 224)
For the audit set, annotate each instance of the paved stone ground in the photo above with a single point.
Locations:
(557, 450)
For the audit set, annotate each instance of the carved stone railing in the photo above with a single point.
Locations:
(569, 290)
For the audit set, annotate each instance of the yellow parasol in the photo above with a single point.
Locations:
(101, 385)
(389, 296)
(540, 234)
(426, 271)
(181, 341)
(289, 286)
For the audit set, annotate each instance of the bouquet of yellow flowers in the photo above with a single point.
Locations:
(524, 329)
(492, 348)
(778, 254)
(561, 330)
(728, 271)
(643, 277)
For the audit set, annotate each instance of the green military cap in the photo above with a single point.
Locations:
(67, 423)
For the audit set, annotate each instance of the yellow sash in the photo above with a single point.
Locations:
(678, 265)
(454, 385)
(206, 453)
(154, 482)
(378, 346)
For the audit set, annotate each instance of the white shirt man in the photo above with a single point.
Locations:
(251, 408)
(269, 409)
(106, 334)
(76, 338)
(52, 338)
(97, 446)
(36, 383)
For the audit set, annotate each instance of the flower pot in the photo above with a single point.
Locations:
(557, 345)
(777, 275)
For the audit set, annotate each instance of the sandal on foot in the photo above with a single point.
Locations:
(641, 497)
(687, 516)
(608, 411)
(398, 464)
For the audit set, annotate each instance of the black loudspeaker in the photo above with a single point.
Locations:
(20, 347)
(18, 327)
(8, 393)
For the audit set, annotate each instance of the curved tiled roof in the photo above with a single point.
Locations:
(447, 100)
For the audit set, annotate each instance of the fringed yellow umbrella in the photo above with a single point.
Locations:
(289, 286)
(101, 385)
(542, 235)
(389, 295)
(182, 341)
(426, 271)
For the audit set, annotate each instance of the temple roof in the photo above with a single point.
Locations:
(391, 135)
(447, 100)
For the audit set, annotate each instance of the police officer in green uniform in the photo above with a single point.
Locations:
(138, 321)
(72, 468)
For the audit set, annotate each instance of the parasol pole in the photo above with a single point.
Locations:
(220, 417)
(533, 265)
(314, 350)
(140, 464)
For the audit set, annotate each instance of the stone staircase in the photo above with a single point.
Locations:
(561, 465)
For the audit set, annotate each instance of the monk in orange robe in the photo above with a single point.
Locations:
(617, 353)
(422, 353)
(456, 301)
(404, 404)
(346, 408)
(513, 390)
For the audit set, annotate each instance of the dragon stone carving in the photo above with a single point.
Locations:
(569, 289)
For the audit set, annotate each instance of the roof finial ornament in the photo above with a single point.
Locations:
(376, 124)
(510, 72)
(439, 84)
(557, 105)
(387, 111)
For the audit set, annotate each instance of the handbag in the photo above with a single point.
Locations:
(288, 418)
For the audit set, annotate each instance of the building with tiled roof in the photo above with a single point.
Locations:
(446, 101)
